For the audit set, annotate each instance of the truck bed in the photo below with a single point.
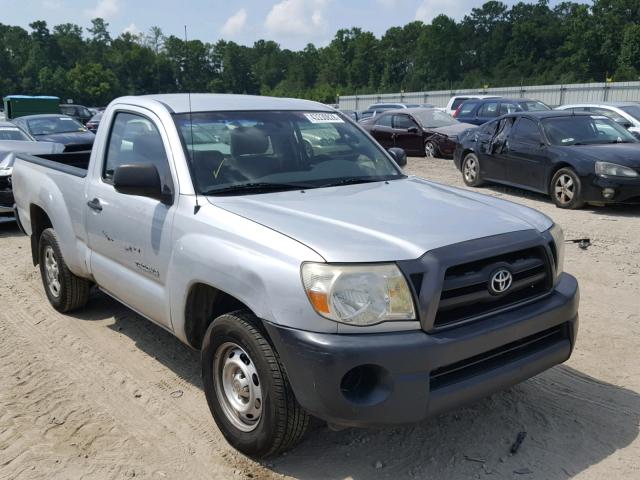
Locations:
(73, 163)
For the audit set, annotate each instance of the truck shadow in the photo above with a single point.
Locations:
(9, 228)
(572, 421)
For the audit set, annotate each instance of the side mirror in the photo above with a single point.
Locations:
(140, 179)
(399, 155)
(412, 129)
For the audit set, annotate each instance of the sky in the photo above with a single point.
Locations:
(291, 23)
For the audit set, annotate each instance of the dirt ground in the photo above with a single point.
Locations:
(104, 394)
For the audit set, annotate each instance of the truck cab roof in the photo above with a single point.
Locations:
(211, 102)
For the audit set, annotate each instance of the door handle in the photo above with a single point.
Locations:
(95, 205)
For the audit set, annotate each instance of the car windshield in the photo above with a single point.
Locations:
(585, 130)
(229, 151)
(50, 125)
(633, 110)
(433, 118)
(13, 133)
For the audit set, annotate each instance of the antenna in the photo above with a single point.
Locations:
(196, 209)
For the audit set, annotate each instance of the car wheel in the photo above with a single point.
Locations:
(247, 388)
(65, 291)
(431, 150)
(471, 170)
(308, 149)
(566, 189)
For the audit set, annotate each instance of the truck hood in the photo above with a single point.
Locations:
(373, 222)
(8, 149)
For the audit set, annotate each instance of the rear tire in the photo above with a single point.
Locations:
(471, 170)
(247, 388)
(66, 292)
(566, 189)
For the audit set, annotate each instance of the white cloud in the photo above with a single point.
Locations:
(235, 23)
(429, 9)
(132, 29)
(297, 18)
(104, 9)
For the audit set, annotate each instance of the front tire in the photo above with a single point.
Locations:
(247, 388)
(66, 292)
(431, 150)
(471, 170)
(566, 189)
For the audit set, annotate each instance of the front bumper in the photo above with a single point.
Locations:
(626, 190)
(413, 375)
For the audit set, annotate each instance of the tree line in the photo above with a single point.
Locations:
(493, 45)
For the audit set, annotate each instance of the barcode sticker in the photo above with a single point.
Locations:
(323, 118)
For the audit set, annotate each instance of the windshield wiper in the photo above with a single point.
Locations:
(257, 187)
(355, 180)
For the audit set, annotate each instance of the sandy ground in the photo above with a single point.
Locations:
(105, 394)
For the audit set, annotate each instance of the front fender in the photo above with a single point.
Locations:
(254, 264)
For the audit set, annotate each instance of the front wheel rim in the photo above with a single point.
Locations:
(565, 189)
(238, 386)
(429, 150)
(470, 169)
(52, 271)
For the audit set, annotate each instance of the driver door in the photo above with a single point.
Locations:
(407, 134)
(130, 236)
(526, 155)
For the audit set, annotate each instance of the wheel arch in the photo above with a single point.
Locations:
(40, 221)
(204, 304)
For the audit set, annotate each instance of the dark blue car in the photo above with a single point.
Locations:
(479, 111)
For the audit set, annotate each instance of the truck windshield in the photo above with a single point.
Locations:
(585, 130)
(252, 152)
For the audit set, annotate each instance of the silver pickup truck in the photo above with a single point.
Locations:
(279, 239)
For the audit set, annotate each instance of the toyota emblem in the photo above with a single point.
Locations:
(500, 281)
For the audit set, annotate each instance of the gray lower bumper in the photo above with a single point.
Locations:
(409, 376)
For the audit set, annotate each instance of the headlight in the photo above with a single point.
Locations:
(558, 239)
(358, 294)
(614, 170)
(6, 171)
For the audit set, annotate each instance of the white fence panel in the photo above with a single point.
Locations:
(553, 95)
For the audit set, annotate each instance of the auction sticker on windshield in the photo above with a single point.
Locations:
(323, 118)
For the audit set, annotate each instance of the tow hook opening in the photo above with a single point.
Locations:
(366, 385)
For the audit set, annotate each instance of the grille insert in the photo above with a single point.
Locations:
(465, 293)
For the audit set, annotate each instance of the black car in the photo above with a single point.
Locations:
(419, 131)
(575, 158)
(93, 123)
(57, 128)
(81, 113)
(482, 110)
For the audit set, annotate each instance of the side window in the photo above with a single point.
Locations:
(383, 121)
(526, 131)
(489, 128)
(616, 117)
(403, 122)
(508, 108)
(135, 139)
(456, 103)
(467, 108)
(489, 109)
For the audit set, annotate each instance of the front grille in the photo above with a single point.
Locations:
(5, 182)
(487, 361)
(465, 292)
